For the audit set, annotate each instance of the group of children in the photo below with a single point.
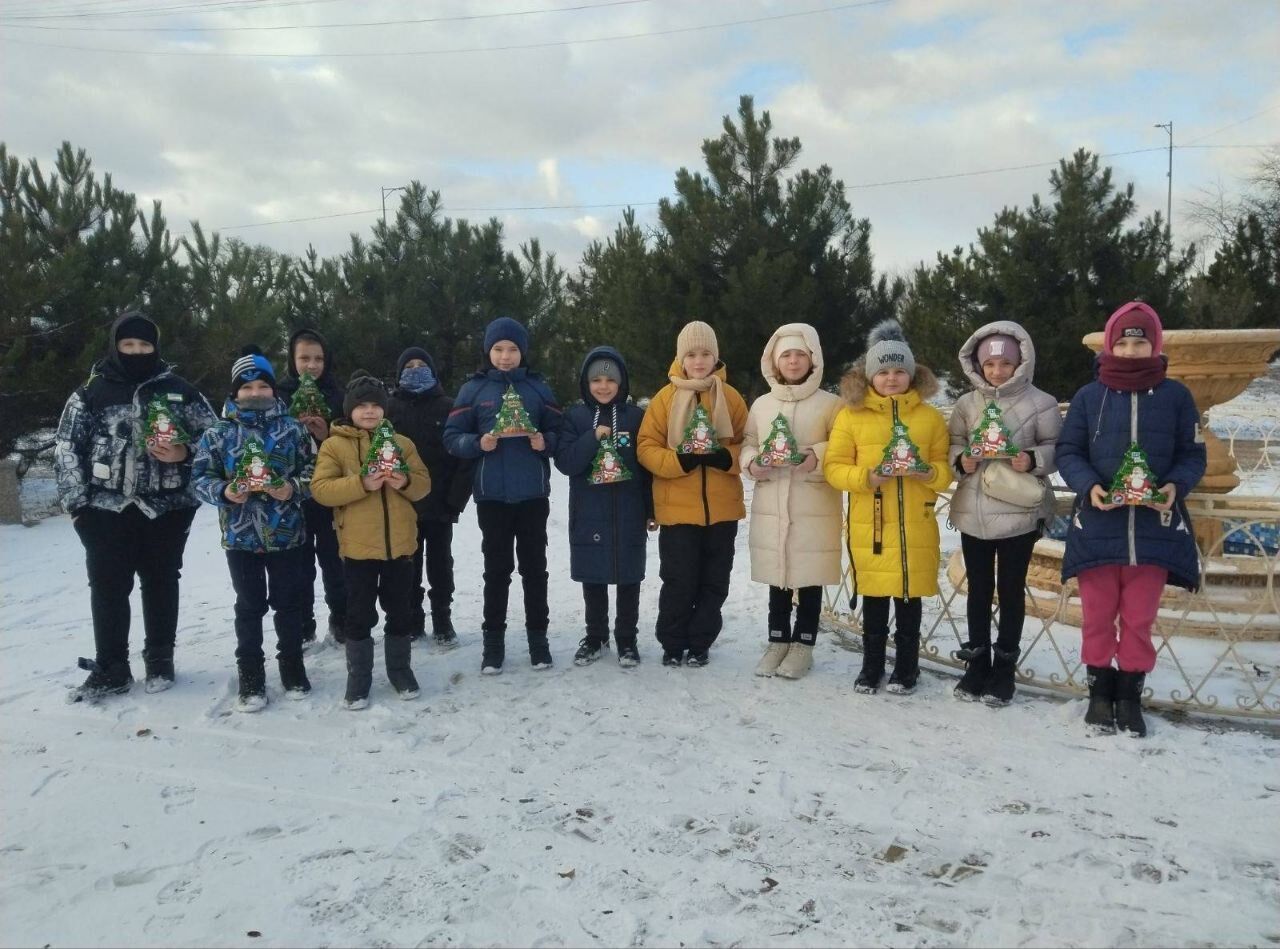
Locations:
(676, 467)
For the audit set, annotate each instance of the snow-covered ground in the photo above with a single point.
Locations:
(594, 806)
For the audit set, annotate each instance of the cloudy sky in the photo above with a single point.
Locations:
(552, 114)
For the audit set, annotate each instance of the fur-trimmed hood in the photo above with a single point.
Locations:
(855, 385)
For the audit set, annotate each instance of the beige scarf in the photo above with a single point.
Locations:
(686, 398)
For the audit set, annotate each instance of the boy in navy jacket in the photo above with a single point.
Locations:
(511, 483)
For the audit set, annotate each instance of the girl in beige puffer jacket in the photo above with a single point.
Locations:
(1005, 420)
(795, 515)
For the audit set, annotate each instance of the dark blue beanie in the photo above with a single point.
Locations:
(504, 327)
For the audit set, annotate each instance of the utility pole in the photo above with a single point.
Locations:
(1168, 212)
(385, 192)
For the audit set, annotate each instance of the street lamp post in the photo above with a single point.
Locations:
(1168, 207)
(386, 191)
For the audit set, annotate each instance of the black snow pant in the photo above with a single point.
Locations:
(118, 545)
(695, 564)
(626, 623)
(805, 629)
(991, 567)
(280, 580)
(907, 615)
(374, 583)
(524, 525)
(435, 552)
(322, 544)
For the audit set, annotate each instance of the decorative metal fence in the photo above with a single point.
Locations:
(1218, 649)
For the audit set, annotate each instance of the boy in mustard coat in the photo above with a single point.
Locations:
(893, 533)
(377, 536)
(697, 495)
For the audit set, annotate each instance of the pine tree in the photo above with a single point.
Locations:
(992, 438)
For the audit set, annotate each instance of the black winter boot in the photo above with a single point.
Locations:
(977, 659)
(160, 674)
(628, 654)
(906, 663)
(494, 652)
(873, 648)
(1128, 706)
(442, 631)
(252, 696)
(359, 673)
(589, 650)
(1101, 714)
(115, 679)
(396, 651)
(293, 676)
(539, 651)
(1000, 685)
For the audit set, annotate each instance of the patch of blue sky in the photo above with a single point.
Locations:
(1078, 42)
(943, 29)
(762, 80)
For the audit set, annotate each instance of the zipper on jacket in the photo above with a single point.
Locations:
(1133, 511)
(706, 505)
(902, 525)
(613, 497)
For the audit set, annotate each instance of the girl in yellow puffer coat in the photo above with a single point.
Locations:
(888, 449)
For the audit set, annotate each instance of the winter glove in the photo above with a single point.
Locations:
(718, 459)
(689, 462)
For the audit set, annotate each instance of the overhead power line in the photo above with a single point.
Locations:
(383, 54)
(653, 203)
(216, 6)
(579, 8)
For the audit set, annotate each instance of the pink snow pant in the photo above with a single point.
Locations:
(1130, 595)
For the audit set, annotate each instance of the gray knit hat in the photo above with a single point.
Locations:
(606, 367)
(887, 349)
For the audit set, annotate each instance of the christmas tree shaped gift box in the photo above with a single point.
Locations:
(992, 438)
(384, 454)
(308, 401)
(699, 435)
(608, 467)
(253, 469)
(780, 447)
(513, 419)
(901, 455)
(161, 427)
(1134, 483)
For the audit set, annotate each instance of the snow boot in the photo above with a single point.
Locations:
(670, 657)
(772, 658)
(589, 650)
(977, 660)
(293, 676)
(906, 663)
(1101, 714)
(798, 662)
(396, 651)
(252, 696)
(628, 655)
(359, 673)
(494, 652)
(1128, 705)
(873, 646)
(159, 673)
(697, 660)
(442, 631)
(115, 679)
(539, 651)
(1000, 684)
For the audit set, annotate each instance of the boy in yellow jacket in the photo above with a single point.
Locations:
(697, 493)
(377, 536)
(889, 451)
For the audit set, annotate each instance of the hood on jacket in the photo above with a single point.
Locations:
(312, 335)
(110, 364)
(769, 366)
(855, 385)
(604, 352)
(1021, 377)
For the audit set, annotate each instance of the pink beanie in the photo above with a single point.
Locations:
(1134, 319)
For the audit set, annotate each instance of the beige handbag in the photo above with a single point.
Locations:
(1018, 488)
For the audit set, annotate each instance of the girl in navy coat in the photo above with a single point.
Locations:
(610, 503)
(512, 484)
(1123, 554)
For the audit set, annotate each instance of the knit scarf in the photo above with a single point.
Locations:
(1131, 375)
(686, 398)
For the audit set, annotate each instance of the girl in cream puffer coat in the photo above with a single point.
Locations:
(795, 514)
(996, 536)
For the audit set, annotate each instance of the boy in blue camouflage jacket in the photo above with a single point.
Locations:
(264, 531)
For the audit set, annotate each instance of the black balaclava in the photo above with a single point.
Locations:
(135, 367)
